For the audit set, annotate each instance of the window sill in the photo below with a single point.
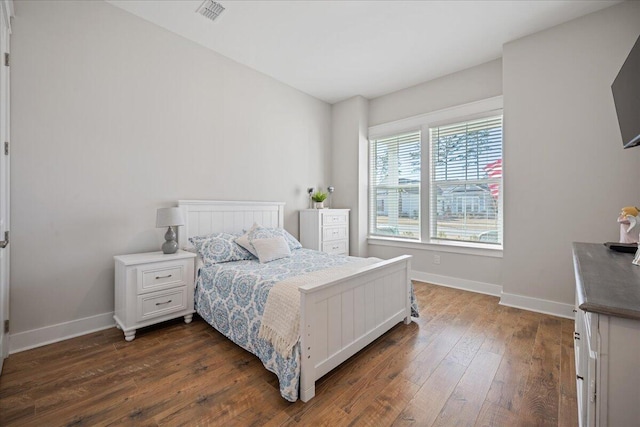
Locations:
(465, 248)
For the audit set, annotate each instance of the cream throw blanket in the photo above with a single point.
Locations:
(281, 319)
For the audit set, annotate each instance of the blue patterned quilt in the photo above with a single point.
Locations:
(231, 297)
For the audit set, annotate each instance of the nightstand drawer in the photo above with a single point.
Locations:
(334, 233)
(161, 303)
(339, 247)
(161, 275)
(334, 219)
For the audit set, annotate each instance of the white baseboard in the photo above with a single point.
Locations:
(511, 300)
(49, 334)
(538, 305)
(22, 341)
(454, 282)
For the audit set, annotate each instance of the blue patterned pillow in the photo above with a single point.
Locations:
(291, 241)
(219, 247)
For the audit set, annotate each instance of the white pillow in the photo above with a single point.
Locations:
(271, 249)
(259, 232)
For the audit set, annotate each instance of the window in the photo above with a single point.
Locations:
(394, 191)
(462, 176)
(466, 181)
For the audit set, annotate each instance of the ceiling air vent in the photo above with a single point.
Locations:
(210, 9)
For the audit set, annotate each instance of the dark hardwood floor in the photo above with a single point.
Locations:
(467, 361)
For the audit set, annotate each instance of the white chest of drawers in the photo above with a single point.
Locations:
(325, 230)
(151, 288)
(607, 337)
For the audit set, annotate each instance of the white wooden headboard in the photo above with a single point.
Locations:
(211, 216)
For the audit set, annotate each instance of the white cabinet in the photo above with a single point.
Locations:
(585, 337)
(607, 337)
(152, 287)
(607, 355)
(325, 230)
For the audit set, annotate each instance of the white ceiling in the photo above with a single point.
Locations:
(334, 50)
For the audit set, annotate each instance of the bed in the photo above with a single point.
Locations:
(339, 313)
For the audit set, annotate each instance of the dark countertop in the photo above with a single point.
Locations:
(607, 281)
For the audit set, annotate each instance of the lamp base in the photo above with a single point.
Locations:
(170, 246)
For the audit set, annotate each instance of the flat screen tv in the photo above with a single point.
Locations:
(626, 96)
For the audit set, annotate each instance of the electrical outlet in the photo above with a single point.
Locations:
(436, 259)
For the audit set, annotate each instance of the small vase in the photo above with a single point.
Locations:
(319, 205)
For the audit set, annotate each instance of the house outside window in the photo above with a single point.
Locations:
(466, 181)
(437, 178)
(394, 177)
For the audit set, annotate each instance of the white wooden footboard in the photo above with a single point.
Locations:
(340, 317)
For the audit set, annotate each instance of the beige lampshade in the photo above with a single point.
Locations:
(168, 217)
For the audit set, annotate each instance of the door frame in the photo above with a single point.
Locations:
(6, 13)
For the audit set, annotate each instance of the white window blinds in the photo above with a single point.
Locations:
(466, 181)
(394, 186)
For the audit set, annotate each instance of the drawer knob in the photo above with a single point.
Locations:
(163, 277)
(163, 303)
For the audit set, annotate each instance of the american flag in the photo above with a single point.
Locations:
(494, 170)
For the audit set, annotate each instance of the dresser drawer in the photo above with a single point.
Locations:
(154, 277)
(325, 230)
(161, 303)
(336, 248)
(334, 233)
(334, 219)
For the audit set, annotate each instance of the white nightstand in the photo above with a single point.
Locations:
(151, 288)
(325, 230)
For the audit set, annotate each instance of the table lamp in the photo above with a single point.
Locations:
(169, 217)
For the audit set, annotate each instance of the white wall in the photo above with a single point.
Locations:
(473, 84)
(566, 174)
(113, 117)
(349, 166)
